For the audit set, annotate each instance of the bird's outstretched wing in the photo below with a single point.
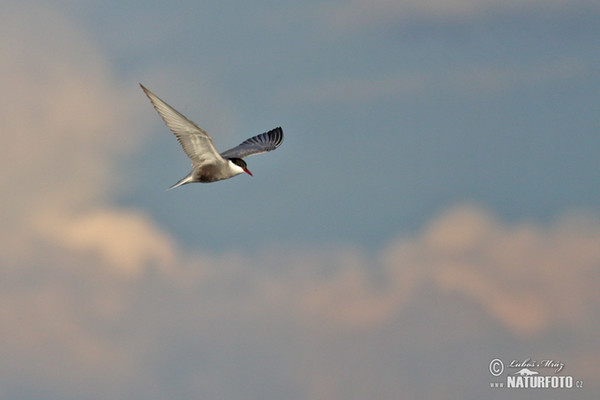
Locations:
(256, 145)
(196, 143)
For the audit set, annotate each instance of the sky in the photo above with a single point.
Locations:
(434, 205)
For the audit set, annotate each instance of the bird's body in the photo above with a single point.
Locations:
(208, 165)
(211, 172)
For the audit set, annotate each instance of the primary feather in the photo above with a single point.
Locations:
(196, 143)
(256, 145)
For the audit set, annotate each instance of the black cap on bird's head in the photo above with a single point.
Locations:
(242, 164)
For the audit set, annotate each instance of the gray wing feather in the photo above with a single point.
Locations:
(196, 143)
(256, 145)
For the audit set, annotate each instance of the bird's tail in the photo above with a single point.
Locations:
(188, 179)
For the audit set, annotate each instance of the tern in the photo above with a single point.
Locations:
(208, 164)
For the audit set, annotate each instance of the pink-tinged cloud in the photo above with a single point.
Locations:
(67, 121)
(124, 241)
(526, 277)
(100, 299)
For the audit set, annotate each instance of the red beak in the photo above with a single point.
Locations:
(248, 172)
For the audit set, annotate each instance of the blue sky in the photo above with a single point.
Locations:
(435, 203)
(412, 114)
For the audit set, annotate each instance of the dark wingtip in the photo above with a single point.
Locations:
(144, 88)
(276, 134)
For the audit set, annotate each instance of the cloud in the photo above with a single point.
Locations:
(68, 122)
(525, 277)
(99, 301)
(124, 240)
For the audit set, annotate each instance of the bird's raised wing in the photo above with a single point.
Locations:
(256, 145)
(196, 143)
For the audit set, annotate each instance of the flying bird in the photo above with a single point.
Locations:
(208, 164)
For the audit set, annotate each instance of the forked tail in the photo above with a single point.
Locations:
(188, 179)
